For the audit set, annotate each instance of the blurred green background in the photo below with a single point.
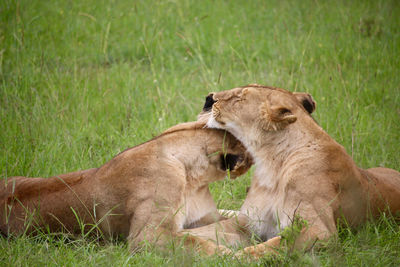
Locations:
(81, 81)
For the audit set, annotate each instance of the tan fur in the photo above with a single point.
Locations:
(300, 170)
(148, 192)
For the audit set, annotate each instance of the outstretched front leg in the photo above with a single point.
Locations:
(207, 247)
(269, 247)
(163, 235)
(230, 232)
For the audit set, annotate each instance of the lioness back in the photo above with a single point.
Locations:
(387, 183)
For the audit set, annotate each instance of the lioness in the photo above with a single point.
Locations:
(299, 171)
(148, 192)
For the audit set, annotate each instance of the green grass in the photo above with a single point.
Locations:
(81, 81)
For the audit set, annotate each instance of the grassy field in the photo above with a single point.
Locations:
(81, 81)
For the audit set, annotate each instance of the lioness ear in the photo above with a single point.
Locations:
(307, 101)
(243, 93)
(276, 118)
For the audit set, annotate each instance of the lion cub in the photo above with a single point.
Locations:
(148, 192)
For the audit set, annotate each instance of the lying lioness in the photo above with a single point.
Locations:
(301, 172)
(148, 192)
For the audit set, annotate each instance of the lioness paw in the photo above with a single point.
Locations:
(254, 251)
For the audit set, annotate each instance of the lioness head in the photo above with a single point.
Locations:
(255, 108)
(224, 153)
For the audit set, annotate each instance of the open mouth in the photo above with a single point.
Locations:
(230, 163)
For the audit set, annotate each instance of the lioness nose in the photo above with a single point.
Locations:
(209, 102)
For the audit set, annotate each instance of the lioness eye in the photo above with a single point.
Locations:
(209, 102)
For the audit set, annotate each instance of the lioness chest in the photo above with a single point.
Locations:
(264, 214)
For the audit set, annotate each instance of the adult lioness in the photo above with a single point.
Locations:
(300, 170)
(148, 192)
